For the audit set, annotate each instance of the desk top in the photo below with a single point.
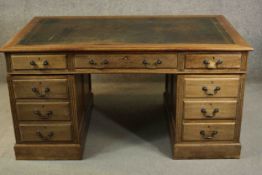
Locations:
(127, 33)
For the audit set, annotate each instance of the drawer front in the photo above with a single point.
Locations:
(213, 61)
(40, 88)
(35, 62)
(45, 132)
(208, 131)
(126, 61)
(212, 87)
(43, 111)
(210, 109)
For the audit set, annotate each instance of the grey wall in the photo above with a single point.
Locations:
(245, 15)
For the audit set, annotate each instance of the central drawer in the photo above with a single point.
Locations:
(46, 132)
(167, 60)
(40, 88)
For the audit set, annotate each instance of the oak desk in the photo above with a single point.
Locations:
(50, 61)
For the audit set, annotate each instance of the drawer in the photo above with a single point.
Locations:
(43, 111)
(211, 86)
(32, 62)
(45, 132)
(210, 109)
(125, 61)
(208, 131)
(213, 61)
(40, 88)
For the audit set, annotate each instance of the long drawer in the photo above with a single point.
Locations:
(208, 131)
(210, 109)
(211, 86)
(43, 111)
(40, 88)
(46, 132)
(125, 61)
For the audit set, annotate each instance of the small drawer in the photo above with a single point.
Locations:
(210, 109)
(45, 132)
(35, 62)
(40, 88)
(211, 86)
(126, 61)
(208, 131)
(213, 61)
(43, 111)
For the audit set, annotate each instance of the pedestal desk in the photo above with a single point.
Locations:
(50, 61)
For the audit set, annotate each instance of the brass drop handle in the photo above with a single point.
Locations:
(219, 61)
(209, 136)
(45, 63)
(206, 62)
(158, 62)
(215, 90)
(212, 64)
(204, 112)
(145, 62)
(40, 94)
(43, 116)
(32, 63)
(105, 62)
(92, 62)
(43, 137)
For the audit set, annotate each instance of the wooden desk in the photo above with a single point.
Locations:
(49, 63)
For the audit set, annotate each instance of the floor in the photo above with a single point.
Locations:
(128, 135)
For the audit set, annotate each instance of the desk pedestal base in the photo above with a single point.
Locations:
(206, 151)
(174, 97)
(48, 151)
